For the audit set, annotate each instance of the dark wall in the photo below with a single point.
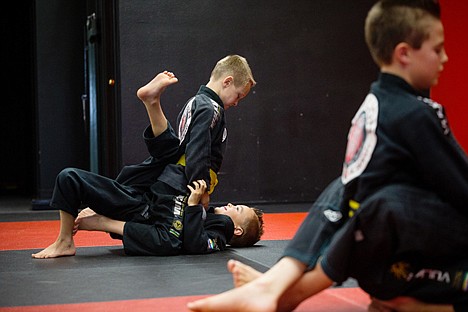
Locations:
(287, 138)
(60, 128)
(17, 106)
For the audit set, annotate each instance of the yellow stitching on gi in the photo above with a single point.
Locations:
(354, 205)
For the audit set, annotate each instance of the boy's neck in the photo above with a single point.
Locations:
(396, 71)
(215, 86)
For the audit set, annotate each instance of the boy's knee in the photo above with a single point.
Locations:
(67, 174)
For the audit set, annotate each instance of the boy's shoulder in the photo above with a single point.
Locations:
(394, 92)
(203, 102)
(399, 103)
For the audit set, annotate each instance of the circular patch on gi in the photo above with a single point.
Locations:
(177, 224)
(362, 139)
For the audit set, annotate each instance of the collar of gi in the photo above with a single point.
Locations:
(211, 94)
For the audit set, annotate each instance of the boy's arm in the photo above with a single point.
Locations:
(196, 239)
(441, 161)
(198, 143)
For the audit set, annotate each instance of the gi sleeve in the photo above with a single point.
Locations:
(202, 236)
(198, 148)
(442, 163)
(141, 239)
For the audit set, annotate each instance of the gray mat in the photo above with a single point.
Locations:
(105, 274)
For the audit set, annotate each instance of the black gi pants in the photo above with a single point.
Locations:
(121, 198)
(403, 241)
(76, 188)
(321, 223)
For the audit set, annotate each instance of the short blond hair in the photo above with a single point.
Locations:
(235, 66)
(390, 22)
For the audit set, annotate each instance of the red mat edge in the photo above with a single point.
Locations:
(330, 300)
(27, 235)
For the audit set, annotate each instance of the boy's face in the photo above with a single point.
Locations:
(231, 95)
(428, 62)
(238, 213)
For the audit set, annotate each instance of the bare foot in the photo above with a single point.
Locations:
(91, 222)
(151, 92)
(242, 273)
(60, 248)
(250, 297)
(87, 212)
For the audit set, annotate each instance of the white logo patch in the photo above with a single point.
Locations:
(185, 121)
(216, 115)
(332, 215)
(224, 135)
(362, 139)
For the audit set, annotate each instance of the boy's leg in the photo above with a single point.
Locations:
(397, 236)
(150, 95)
(242, 273)
(265, 293)
(160, 138)
(163, 150)
(64, 245)
(74, 188)
(305, 287)
(323, 220)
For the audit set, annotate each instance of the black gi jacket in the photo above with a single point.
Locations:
(404, 177)
(413, 145)
(203, 134)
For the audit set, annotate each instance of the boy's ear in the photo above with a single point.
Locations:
(228, 80)
(401, 53)
(238, 231)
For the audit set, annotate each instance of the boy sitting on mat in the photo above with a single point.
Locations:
(400, 208)
(148, 205)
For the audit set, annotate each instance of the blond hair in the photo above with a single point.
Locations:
(390, 22)
(235, 66)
